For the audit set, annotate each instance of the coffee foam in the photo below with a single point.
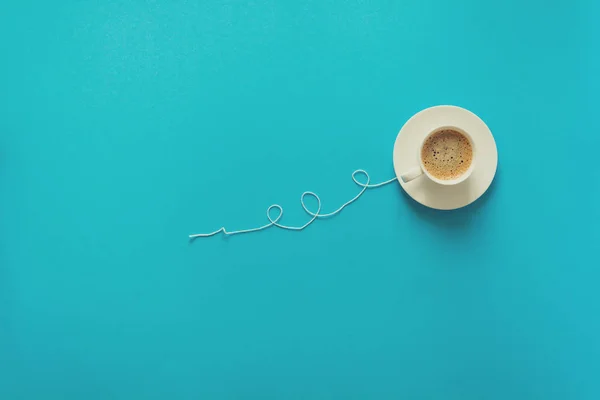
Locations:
(447, 154)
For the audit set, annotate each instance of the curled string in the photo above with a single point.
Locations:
(274, 221)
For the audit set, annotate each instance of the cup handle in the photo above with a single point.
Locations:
(412, 174)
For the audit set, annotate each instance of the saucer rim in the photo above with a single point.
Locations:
(491, 147)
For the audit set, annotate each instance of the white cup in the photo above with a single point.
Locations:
(420, 169)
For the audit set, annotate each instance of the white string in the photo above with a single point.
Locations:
(314, 215)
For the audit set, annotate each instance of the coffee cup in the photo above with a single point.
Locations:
(447, 156)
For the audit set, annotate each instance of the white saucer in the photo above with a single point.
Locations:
(427, 192)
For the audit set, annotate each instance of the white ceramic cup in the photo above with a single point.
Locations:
(420, 169)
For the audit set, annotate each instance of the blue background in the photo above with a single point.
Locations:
(127, 125)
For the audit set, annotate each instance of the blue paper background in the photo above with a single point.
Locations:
(127, 125)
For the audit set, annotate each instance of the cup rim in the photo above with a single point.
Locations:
(466, 174)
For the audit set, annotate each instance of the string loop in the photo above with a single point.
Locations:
(314, 215)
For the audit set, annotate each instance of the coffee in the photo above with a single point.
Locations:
(447, 154)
